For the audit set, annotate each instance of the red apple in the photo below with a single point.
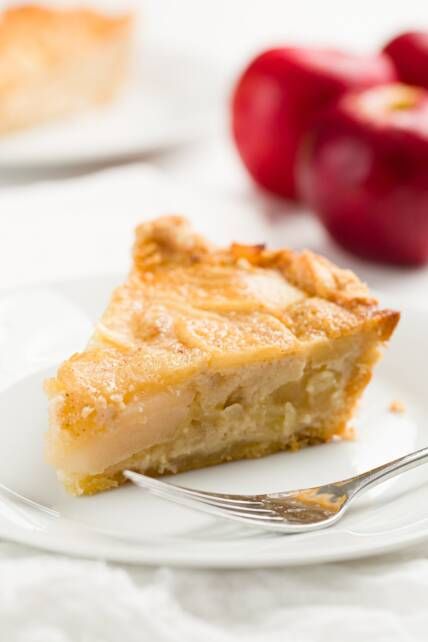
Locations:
(364, 170)
(277, 97)
(409, 54)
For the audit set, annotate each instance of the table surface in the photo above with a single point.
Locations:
(43, 597)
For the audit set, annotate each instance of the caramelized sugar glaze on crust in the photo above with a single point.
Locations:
(188, 307)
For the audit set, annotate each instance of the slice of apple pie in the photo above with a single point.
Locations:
(209, 355)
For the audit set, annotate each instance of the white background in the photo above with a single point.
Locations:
(44, 599)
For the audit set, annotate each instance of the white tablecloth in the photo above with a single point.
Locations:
(50, 599)
(45, 598)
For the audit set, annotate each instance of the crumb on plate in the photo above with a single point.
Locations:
(397, 407)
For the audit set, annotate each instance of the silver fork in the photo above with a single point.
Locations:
(295, 511)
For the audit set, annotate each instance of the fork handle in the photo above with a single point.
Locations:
(387, 471)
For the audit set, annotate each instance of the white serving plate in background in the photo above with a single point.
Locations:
(172, 98)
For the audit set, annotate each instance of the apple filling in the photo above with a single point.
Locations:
(227, 414)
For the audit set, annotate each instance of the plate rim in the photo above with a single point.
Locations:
(121, 553)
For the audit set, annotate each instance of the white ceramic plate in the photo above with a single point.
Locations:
(172, 98)
(41, 325)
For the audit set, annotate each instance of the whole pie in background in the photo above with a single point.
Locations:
(58, 62)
